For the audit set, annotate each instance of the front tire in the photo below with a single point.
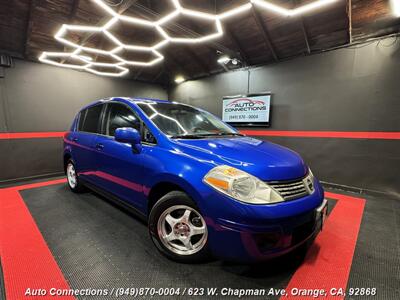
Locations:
(73, 179)
(178, 229)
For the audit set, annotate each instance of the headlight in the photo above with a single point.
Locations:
(241, 186)
(309, 182)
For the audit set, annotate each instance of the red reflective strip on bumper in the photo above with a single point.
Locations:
(25, 258)
(328, 261)
(326, 134)
(31, 135)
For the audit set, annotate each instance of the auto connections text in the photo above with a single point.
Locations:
(140, 292)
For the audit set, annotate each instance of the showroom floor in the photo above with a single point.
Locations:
(99, 245)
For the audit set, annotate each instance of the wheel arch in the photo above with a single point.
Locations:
(162, 187)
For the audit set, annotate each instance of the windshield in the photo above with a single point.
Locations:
(178, 120)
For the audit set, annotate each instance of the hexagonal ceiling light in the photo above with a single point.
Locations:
(158, 24)
(305, 8)
(86, 63)
(119, 46)
(180, 10)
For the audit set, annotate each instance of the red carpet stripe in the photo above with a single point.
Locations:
(326, 134)
(328, 262)
(26, 260)
(30, 135)
(28, 263)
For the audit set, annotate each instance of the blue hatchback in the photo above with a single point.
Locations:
(203, 188)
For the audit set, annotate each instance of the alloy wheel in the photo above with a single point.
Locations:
(182, 230)
(71, 175)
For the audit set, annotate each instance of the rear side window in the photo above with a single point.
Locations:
(120, 116)
(81, 118)
(91, 120)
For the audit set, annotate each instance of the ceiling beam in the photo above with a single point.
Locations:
(124, 7)
(198, 60)
(83, 40)
(303, 28)
(349, 20)
(213, 54)
(155, 78)
(100, 45)
(138, 73)
(71, 17)
(74, 10)
(167, 72)
(181, 66)
(243, 55)
(29, 27)
(184, 29)
(212, 46)
(264, 32)
(178, 67)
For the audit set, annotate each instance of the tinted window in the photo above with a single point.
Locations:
(81, 118)
(91, 122)
(120, 116)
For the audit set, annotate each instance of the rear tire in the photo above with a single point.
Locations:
(178, 230)
(73, 179)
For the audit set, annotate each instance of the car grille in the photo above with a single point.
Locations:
(290, 190)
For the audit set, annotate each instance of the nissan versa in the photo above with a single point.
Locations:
(204, 188)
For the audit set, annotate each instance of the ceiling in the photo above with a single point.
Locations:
(256, 36)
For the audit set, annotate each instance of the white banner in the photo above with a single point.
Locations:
(254, 109)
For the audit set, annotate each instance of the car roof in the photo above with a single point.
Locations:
(149, 100)
(126, 99)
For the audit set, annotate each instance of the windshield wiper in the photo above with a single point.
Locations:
(230, 133)
(188, 136)
(223, 134)
(204, 135)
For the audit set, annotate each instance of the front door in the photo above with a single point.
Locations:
(120, 169)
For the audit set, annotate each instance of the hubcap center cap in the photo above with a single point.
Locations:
(182, 229)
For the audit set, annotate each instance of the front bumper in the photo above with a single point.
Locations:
(246, 243)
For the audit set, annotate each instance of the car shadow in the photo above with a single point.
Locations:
(283, 265)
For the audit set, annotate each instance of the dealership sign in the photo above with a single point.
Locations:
(254, 109)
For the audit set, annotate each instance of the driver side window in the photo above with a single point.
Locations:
(119, 115)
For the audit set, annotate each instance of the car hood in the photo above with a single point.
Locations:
(262, 159)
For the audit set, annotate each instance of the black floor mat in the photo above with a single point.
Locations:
(98, 245)
(376, 262)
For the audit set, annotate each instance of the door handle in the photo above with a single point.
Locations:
(74, 139)
(99, 146)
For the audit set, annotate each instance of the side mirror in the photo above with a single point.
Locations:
(129, 135)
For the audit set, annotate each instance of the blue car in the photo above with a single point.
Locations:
(203, 188)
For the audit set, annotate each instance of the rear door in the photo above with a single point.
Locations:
(120, 169)
(84, 142)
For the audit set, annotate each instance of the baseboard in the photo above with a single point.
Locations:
(15, 181)
(357, 190)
